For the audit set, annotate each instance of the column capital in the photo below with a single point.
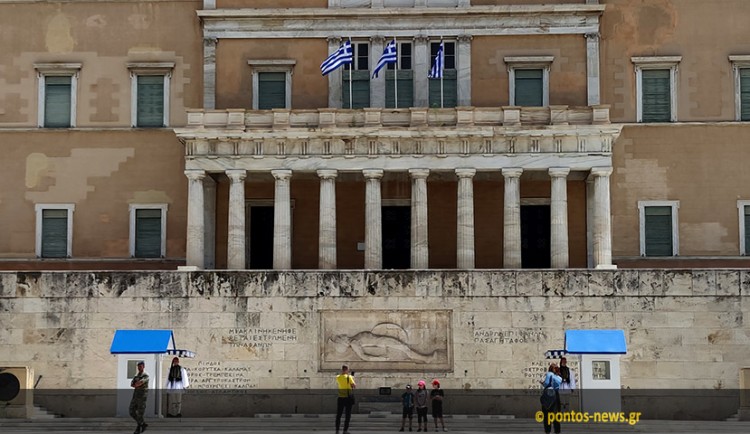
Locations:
(377, 39)
(327, 173)
(466, 173)
(559, 172)
(512, 172)
(195, 174)
(465, 38)
(210, 40)
(236, 175)
(334, 39)
(594, 36)
(373, 173)
(421, 39)
(419, 173)
(601, 171)
(281, 174)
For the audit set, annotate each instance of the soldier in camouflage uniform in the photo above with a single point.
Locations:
(138, 402)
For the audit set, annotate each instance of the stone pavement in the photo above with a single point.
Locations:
(361, 424)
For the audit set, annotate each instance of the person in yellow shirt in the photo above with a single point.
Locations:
(346, 385)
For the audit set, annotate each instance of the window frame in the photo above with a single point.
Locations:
(132, 209)
(656, 62)
(528, 62)
(149, 68)
(272, 65)
(399, 52)
(431, 61)
(44, 70)
(738, 64)
(39, 208)
(675, 205)
(741, 204)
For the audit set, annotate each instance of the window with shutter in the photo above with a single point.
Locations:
(271, 90)
(745, 94)
(54, 233)
(150, 105)
(57, 101)
(358, 73)
(449, 81)
(747, 230)
(148, 233)
(656, 95)
(405, 89)
(658, 230)
(529, 87)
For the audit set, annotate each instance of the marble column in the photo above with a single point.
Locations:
(590, 221)
(377, 84)
(559, 217)
(334, 78)
(373, 220)
(465, 231)
(209, 73)
(195, 219)
(282, 220)
(327, 220)
(419, 237)
(592, 68)
(463, 58)
(602, 218)
(236, 237)
(209, 222)
(512, 218)
(421, 63)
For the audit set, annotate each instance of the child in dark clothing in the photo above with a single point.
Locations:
(421, 399)
(436, 396)
(407, 399)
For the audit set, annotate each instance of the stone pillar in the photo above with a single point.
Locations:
(209, 222)
(236, 237)
(465, 233)
(419, 236)
(592, 68)
(373, 220)
(512, 218)
(559, 217)
(602, 219)
(195, 219)
(377, 84)
(463, 82)
(209, 73)
(282, 220)
(327, 223)
(334, 78)
(590, 222)
(421, 64)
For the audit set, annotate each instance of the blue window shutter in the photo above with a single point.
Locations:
(57, 100)
(54, 233)
(658, 227)
(271, 90)
(657, 97)
(150, 101)
(405, 84)
(745, 94)
(529, 87)
(147, 233)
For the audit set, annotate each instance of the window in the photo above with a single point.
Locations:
(600, 370)
(58, 83)
(443, 92)
(528, 78)
(54, 230)
(656, 84)
(741, 67)
(149, 94)
(358, 74)
(402, 87)
(659, 228)
(744, 213)
(148, 230)
(272, 83)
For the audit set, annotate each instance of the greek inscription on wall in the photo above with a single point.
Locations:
(224, 376)
(536, 371)
(509, 336)
(258, 337)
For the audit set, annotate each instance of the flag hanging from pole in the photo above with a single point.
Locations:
(438, 64)
(339, 57)
(390, 55)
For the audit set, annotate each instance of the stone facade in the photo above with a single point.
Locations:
(487, 330)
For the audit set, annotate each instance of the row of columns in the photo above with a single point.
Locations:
(465, 252)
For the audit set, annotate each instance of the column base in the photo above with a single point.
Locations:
(188, 268)
(606, 267)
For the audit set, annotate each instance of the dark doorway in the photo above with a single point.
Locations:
(261, 237)
(396, 237)
(535, 236)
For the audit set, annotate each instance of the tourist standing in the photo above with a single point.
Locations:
(407, 401)
(346, 385)
(140, 394)
(436, 397)
(177, 382)
(552, 380)
(421, 399)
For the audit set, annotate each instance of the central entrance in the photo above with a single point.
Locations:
(260, 248)
(535, 236)
(396, 237)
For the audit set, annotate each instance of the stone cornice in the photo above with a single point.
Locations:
(401, 22)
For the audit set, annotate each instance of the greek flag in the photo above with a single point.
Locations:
(438, 64)
(390, 55)
(339, 57)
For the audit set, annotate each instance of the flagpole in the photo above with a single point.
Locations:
(395, 77)
(351, 71)
(441, 67)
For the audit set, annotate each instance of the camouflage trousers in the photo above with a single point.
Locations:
(137, 409)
